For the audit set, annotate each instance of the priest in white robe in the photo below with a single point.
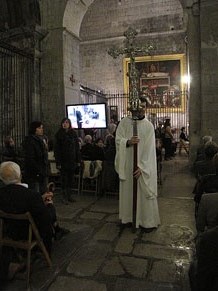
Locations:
(147, 214)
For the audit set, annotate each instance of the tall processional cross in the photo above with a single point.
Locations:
(130, 50)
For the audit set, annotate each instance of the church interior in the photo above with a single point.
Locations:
(61, 57)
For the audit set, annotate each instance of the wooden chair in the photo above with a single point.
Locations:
(91, 176)
(183, 145)
(28, 244)
(53, 172)
(77, 180)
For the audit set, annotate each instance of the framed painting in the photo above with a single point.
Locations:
(159, 80)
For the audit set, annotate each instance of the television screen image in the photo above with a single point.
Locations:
(87, 115)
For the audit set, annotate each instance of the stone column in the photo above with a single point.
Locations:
(36, 107)
(71, 61)
(209, 67)
(193, 46)
(52, 81)
(52, 65)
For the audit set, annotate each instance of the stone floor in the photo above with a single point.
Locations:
(100, 255)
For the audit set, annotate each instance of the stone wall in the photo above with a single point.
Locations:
(162, 23)
(111, 18)
(101, 71)
(157, 23)
(71, 53)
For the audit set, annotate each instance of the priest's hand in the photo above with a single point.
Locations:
(133, 140)
(137, 173)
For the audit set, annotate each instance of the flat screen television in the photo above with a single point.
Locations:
(89, 115)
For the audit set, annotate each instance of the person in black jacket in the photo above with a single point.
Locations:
(183, 135)
(79, 118)
(67, 156)
(36, 158)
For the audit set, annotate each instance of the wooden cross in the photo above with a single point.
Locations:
(130, 50)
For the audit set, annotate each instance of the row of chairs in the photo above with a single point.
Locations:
(86, 179)
(96, 177)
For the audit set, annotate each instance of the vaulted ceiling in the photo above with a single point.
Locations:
(76, 9)
(15, 13)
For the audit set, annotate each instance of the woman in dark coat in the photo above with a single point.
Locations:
(67, 156)
(36, 158)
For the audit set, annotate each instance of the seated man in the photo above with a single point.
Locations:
(98, 150)
(9, 153)
(16, 198)
(206, 184)
(203, 272)
(184, 141)
(87, 150)
(207, 212)
(206, 166)
(201, 150)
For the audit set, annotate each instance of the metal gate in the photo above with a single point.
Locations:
(16, 81)
(176, 111)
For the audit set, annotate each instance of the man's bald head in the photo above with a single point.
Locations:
(10, 173)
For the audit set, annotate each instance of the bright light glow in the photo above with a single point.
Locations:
(186, 79)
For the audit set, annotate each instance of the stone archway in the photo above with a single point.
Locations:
(74, 13)
(64, 45)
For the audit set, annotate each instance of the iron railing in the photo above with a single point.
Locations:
(16, 81)
(159, 108)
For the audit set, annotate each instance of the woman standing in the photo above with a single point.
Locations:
(67, 156)
(35, 158)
